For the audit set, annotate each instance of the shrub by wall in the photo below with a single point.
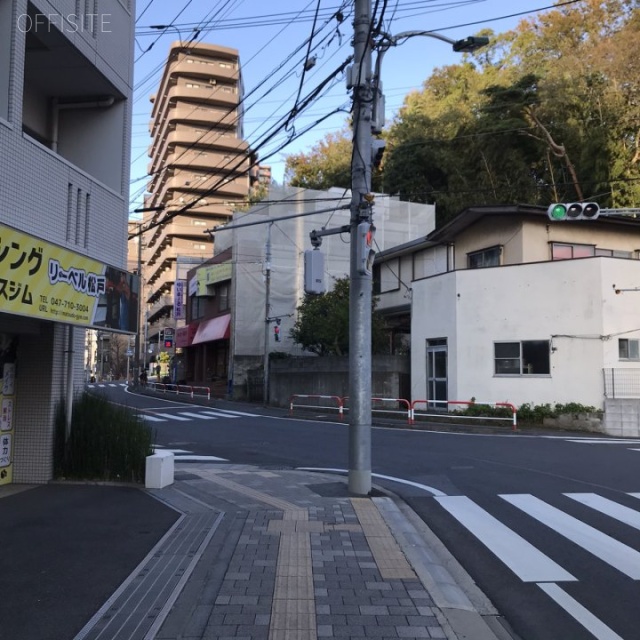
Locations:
(107, 441)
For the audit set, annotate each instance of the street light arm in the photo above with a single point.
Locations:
(465, 45)
(395, 40)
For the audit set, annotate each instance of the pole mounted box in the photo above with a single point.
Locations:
(365, 252)
(314, 272)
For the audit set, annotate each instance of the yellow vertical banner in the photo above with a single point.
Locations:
(8, 348)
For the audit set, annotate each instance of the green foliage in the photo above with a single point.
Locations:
(322, 325)
(529, 414)
(327, 165)
(546, 113)
(535, 414)
(107, 441)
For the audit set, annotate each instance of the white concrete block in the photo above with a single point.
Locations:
(159, 470)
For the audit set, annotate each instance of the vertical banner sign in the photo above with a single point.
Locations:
(178, 300)
(8, 348)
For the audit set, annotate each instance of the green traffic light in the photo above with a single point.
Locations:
(558, 212)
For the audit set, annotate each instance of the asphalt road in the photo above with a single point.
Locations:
(546, 525)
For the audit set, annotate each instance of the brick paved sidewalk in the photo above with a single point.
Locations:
(280, 555)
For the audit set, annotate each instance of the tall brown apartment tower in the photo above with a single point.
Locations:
(198, 158)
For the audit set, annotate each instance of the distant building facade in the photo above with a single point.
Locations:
(232, 323)
(199, 160)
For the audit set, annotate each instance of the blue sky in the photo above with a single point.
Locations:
(267, 36)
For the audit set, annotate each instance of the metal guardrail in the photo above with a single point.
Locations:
(337, 399)
(178, 389)
(408, 408)
(385, 408)
(513, 419)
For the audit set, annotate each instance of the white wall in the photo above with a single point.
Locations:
(396, 223)
(571, 303)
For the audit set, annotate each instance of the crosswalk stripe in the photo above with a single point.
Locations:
(594, 625)
(171, 416)
(217, 414)
(601, 441)
(196, 458)
(242, 413)
(196, 415)
(608, 507)
(151, 418)
(527, 562)
(608, 549)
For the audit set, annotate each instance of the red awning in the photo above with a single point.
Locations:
(214, 329)
(186, 334)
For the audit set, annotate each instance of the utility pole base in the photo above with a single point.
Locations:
(359, 482)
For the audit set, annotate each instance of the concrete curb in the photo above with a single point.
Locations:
(466, 613)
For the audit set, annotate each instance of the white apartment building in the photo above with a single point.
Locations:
(509, 306)
(280, 226)
(65, 124)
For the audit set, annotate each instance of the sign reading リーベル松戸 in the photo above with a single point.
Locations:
(42, 280)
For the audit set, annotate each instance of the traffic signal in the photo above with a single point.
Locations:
(364, 247)
(573, 211)
(276, 330)
(168, 342)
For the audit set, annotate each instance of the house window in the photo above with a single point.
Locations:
(485, 258)
(197, 307)
(628, 349)
(562, 251)
(223, 297)
(528, 357)
(614, 253)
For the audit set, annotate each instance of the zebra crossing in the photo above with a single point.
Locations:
(184, 455)
(508, 537)
(103, 385)
(203, 414)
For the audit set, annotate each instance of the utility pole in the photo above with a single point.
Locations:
(136, 361)
(267, 314)
(361, 284)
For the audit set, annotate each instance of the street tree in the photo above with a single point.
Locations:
(322, 324)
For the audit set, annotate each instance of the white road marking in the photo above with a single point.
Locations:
(196, 415)
(525, 560)
(242, 413)
(170, 416)
(608, 549)
(195, 458)
(424, 487)
(593, 625)
(151, 418)
(217, 414)
(608, 507)
(601, 441)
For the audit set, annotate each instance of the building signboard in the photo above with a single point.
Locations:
(178, 300)
(211, 274)
(42, 280)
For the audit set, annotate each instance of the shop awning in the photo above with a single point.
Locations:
(214, 329)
